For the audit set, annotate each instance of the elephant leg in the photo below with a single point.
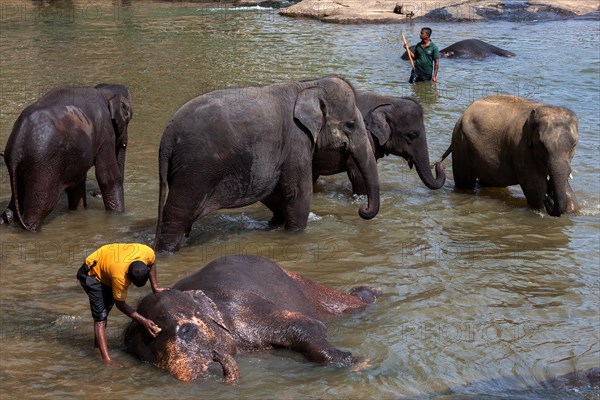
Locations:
(296, 198)
(305, 335)
(178, 215)
(534, 191)
(464, 177)
(275, 203)
(76, 195)
(37, 199)
(109, 179)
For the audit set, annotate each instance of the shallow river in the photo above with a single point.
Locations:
(483, 296)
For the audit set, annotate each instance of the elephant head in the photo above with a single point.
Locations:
(329, 113)
(193, 336)
(118, 101)
(396, 125)
(554, 134)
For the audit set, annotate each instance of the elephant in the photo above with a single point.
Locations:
(236, 304)
(470, 48)
(56, 140)
(504, 140)
(235, 147)
(396, 127)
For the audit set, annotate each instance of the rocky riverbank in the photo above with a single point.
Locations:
(384, 11)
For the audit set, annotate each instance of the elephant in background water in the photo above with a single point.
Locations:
(54, 143)
(226, 150)
(470, 49)
(507, 140)
(240, 304)
(395, 126)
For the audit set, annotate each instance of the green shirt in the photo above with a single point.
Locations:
(424, 58)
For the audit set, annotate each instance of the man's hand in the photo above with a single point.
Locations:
(151, 327)
(160, 289)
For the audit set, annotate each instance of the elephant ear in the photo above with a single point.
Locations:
(377, 124)
(309, 111)
(530, 129)
(120, 109)
(208, 307)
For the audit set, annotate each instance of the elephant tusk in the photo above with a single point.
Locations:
(571, 176)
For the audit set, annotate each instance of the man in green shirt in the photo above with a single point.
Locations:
(427, 58)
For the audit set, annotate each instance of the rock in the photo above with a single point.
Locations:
(263, 3)
(383, 11)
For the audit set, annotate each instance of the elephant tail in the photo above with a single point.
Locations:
(446, 154)
(14, 186)
(163, 173)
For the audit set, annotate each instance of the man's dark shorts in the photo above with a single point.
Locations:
(101, 298)
(419, 76)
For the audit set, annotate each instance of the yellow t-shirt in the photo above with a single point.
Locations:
(112, 262)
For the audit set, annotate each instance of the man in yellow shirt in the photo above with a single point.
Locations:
(106, 275)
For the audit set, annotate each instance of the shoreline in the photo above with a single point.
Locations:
(370, 11)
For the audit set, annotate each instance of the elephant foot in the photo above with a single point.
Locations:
(95, 193)
(340, 358)
(549, 205)
(276, 222)
(8, 217)
(366, 294)
(231, 372)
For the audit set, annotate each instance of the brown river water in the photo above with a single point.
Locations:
(483, 297)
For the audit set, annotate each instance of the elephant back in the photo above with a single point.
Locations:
(230, 277)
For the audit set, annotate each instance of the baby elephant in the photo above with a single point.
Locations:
(239, 304)
(507, 140)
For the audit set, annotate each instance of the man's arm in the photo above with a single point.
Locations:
(413, 55)
(131, 313)
(436, 67)
(153, 281)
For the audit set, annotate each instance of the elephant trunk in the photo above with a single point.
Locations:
(424, 171)
(365, 160)
(560, 197)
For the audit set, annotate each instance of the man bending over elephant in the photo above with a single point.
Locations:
(106, 275)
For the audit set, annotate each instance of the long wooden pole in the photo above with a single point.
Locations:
(412, 63)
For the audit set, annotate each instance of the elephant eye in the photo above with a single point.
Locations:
(411, 136)
(350, 125)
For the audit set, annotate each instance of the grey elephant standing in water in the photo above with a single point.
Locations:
(54, 143)
(395, 126)
(508, 140)
(234, 147)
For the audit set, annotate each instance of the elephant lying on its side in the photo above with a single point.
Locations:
(507, 140)
(396, 127)
(54, 143)
(470, 48)
(239, 304)
(235, 147)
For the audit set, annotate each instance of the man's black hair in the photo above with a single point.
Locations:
(428, 31)
(138, 273)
